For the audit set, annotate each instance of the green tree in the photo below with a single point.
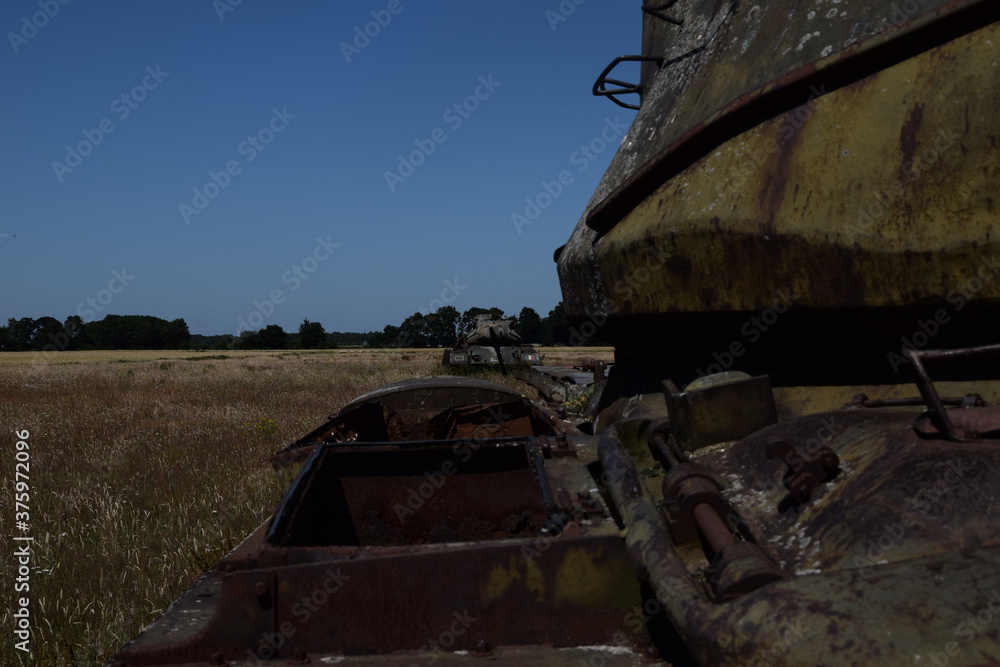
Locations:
(311, 334)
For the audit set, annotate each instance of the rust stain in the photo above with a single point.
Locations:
(908, 138)
(772, 194)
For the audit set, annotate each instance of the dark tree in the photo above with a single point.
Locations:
(20, 333)
(442, 327)
(75, 332)
(273, 337)
(311, 334)
(176, 335)
(468, 316)
(247, 340)
(49, 335)
(557, 329)
(414, 331)
(390, 337)
(137, 332)
(529, 325)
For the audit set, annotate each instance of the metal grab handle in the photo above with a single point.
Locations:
(600, 86)
(939, 416)
(658, 10)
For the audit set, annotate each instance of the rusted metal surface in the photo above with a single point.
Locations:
(389, 545)
(974, 423)
(574, 593)
(895, 608)
(866, 48)
(687, 486)
(805, 471)
(893, 487)
(726, 411)
(839, 201)
(422, 409)
(965, 424)
(563, 383)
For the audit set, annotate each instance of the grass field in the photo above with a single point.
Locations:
(147, 467)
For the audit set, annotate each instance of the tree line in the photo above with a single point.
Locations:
(116, 332)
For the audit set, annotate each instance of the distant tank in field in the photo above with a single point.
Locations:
(490, 341)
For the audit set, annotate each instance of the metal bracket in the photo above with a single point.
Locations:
(625, 88)
(658, 10)
(805, 472)
(938, 415)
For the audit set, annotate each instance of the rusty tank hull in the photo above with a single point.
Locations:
(795, 457)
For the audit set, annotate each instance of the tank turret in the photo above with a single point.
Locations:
(797, 180)
(490, 341)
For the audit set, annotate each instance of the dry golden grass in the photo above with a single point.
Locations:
(147, 468)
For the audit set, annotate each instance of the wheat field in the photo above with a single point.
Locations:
(147, 467)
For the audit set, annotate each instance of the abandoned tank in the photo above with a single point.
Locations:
(490, 341)
(794, 458)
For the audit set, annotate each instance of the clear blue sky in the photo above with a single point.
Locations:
(154, 98)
